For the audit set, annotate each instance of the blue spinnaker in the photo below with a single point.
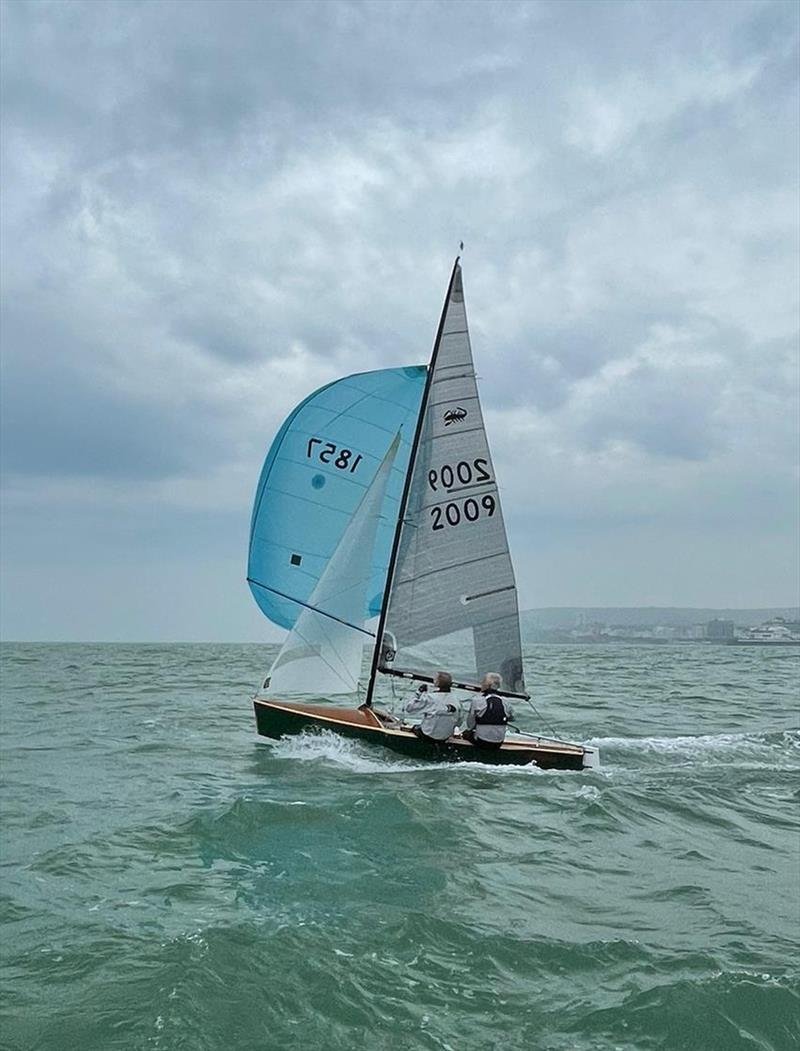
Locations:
(320, 464)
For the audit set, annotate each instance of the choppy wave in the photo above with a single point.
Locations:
(170, 886)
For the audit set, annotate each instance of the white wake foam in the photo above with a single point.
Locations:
(327, 746)
(753, 744)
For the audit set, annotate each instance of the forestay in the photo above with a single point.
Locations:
(452, 599)
(323, 652)
(316, 473)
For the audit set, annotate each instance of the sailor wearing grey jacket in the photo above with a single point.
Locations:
(439, 712)
(488, 715)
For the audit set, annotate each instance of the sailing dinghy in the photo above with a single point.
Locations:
(378, 499)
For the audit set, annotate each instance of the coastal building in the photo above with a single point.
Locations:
(718, 630)
(690, 631)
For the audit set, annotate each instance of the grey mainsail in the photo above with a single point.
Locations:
(451, 593)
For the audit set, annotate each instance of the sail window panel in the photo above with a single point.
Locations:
(425, 657)
(469, 651)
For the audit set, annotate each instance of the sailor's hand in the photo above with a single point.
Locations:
(422, 688)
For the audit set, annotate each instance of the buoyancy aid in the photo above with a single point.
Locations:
(495, 714)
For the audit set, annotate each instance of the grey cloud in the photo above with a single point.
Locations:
(178, 76)
(59, 420)
(542, 370)
(216, 330)
(213, 207)
(660, 415)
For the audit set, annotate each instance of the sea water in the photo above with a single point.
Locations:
(171, 883)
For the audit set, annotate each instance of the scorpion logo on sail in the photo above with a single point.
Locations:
(456, 415)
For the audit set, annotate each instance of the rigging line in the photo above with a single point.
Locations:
(547, 724)
(314, 609)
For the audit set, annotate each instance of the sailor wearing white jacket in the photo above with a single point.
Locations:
(439, 713)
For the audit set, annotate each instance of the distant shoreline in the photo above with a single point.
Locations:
(628, 640)
(548, 624)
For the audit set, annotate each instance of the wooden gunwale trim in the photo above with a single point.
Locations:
(314, 713)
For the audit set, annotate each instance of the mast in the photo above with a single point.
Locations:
(406, 490)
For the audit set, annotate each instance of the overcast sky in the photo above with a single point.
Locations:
(211, 209)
